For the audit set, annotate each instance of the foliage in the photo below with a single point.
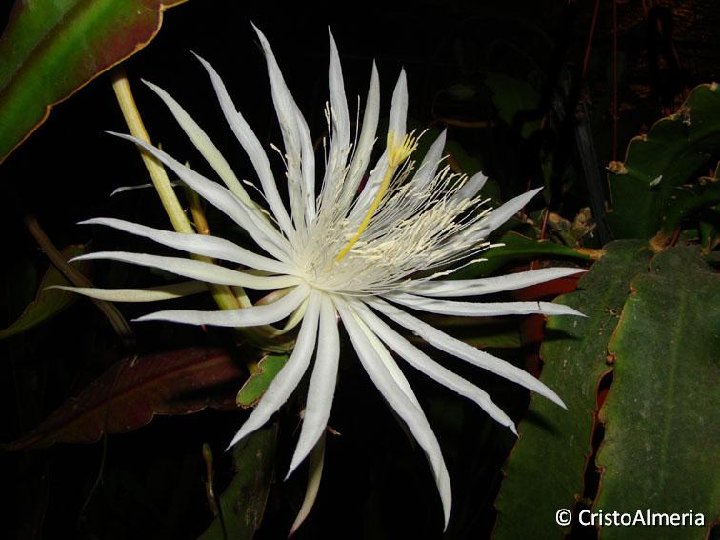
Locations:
(51, 49)
(576, 359)
(652, 326)
(48, 302)
(666, 175)
(136, 389)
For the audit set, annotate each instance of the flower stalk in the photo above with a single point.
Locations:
(225, 297)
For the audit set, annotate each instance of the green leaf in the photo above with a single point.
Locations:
(510, 96)
(51, 48)
(545, 471)
(460, 161)
(242, 504)
(47, 303)
(662, 440)
(516, 247)
(688, 200)
(677, 150)
(257, 383)
(480, 332)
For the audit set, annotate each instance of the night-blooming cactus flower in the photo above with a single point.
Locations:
(365, 255)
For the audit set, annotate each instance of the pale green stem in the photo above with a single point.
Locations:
(225, 297)
(222, 294)
(158, 176)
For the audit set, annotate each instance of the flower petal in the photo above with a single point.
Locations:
(204, 145)
(340, 116)
(322, 384)
(199, 270)
(501, 214)
(222, 199)
(474, 287)
(235, 318)
(367, 194)
(155, 294)
(361, 156)
(475, 183)
(315, 466)
(479, 309)
(459, 349)
(200, 244)
(296, 136)
(422, 362)
(415, 419)
(289, 376)
(252, 146)
(397, 127)
(399, 108)
(428, 167)
(386, 358)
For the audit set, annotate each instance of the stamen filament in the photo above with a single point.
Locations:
(396, 155)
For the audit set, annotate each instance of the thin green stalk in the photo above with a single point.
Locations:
(222, 294)
(265, 337)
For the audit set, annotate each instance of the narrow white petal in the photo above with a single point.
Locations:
(479, 309)
(155, 294)
(430, 162)
(315, 466)
(474, 287)
(200, 244)
(252, 147)
(366, 196)
(470, 188)
(235, 318)
(422, 362)
(384, 355)
(199, 270)
(205, 146)
(361, 157)
(322, 384)
(415, 419)
(397, 127)
(501, 214)
(289, 376)
(338, 103)
(296, 135)
(222, 199)
(399, 108)
(459, 349)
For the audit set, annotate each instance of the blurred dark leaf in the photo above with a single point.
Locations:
(134, 390)
(511, 96)
(47, 303)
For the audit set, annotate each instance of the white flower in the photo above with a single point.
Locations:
(358, 254)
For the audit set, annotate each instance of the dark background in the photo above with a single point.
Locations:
(149, 483)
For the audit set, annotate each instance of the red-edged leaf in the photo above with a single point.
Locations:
(51, 48)
(130, 393)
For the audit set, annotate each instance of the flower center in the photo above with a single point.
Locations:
(397, 154)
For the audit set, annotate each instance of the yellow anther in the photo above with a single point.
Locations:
(397, 154)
